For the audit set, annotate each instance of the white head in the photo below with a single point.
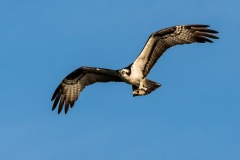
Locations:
(125, 73)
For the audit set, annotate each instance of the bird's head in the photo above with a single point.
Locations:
(124, 72)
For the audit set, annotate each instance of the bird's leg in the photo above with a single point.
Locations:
(141, 89)
(142, 85)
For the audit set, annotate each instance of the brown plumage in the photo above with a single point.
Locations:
(69, 89)
(169, 37)
(135, 74)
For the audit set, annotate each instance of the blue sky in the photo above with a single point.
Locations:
(193, 115)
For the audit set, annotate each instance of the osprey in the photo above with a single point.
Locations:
(135, 74)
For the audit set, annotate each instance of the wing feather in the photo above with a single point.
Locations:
(160, 41)
(69, 89)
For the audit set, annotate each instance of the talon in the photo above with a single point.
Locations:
(135, 92)
(144, 89)
(141, 92)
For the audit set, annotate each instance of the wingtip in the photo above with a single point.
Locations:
(60, 107)
(59, 111)
(66, 109)
(53, 97)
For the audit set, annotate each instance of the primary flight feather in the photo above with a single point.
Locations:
(135, 74)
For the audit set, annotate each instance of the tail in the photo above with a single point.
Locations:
(149, 85)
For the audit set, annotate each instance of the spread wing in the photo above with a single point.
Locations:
(160, 41)
(69, 89)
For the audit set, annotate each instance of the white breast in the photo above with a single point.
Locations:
(136, 76)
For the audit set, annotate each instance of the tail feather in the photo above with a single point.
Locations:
(150, 85)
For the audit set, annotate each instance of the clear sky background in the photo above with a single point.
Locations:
(194, 115)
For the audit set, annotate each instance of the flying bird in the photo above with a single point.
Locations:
(68, 91)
